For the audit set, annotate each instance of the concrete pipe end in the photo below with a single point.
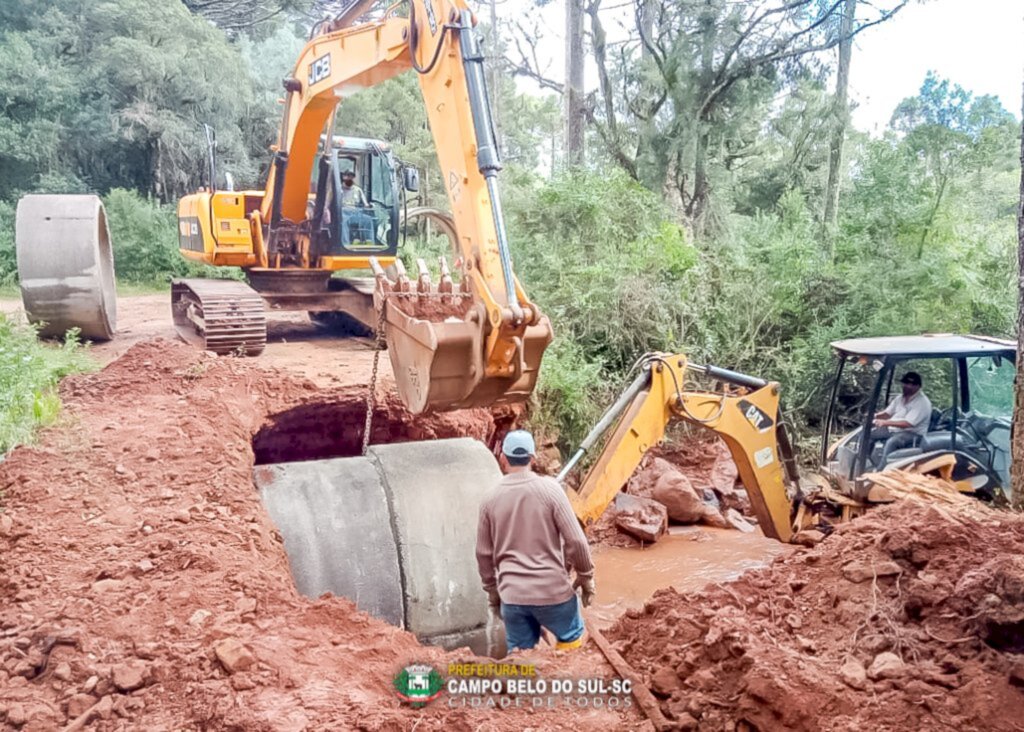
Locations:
(66, 265)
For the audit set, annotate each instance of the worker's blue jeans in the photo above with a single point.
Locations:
(355, 218)
(523, 623)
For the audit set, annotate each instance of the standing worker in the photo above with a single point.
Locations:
(528, 540)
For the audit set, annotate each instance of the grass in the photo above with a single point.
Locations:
(29, 373)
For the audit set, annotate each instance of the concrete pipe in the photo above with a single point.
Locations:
(66, 265)
(395, 531)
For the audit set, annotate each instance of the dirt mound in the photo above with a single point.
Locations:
(137, 565)
(909, 618)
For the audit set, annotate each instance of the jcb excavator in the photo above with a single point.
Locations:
(451, 346)
(394, 528)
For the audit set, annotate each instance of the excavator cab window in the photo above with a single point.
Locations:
(365, 224)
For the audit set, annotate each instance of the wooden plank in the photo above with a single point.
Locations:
(644, 698)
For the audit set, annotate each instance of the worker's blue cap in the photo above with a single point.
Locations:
(519, 443)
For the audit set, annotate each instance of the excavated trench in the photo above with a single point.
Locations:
(393, 530)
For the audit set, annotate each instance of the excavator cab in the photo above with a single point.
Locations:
(969, 382)
(369, 225)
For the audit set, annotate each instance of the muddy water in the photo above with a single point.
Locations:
(687, 559)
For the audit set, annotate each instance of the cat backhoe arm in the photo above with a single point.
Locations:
(451, 346)
(745, 415)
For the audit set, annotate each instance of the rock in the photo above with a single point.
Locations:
(123, 706)
(107, 585)
(859, 571)
(674, 491)
(41, 717)
(713, 517)
(105, 708)
(6, 525)
(664, 681)
(121, 470)
(737, 521)
(233, 655)
(246, 606)
(886, 666)
(808, 537)
(130, 676)
(16, 715)
(686, 722)
(1017, 674)
(199, 617)
(90, 684)
(853, 675)
(182, 516)
(79, 704)
(643, 518)
(242, 682)
(62, 671)
(144, 566)
(104, 687)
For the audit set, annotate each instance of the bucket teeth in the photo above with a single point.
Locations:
(423, 285)
(402, 283)
(446, 286)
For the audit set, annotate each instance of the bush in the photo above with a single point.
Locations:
(144, 235)
(603, 259)
(8, 262)
(29, 372)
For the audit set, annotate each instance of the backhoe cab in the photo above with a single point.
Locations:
(969, 381)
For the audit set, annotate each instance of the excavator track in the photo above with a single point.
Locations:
(223, 316)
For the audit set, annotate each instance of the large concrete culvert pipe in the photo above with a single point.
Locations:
(66, 265)
(394, 531)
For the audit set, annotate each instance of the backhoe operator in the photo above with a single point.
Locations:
(905, 420)
(353, 210)
(528, 540)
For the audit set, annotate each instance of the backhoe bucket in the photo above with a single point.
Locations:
(437, 356)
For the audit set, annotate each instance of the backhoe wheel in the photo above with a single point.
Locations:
(66, 265)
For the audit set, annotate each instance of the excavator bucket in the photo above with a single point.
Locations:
(436, 343)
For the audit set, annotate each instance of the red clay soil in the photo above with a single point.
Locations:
(910, 618)
(132, 541)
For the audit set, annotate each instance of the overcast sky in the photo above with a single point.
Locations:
(978, 44)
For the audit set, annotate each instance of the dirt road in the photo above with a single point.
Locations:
(293, 342)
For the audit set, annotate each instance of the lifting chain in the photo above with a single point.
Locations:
(371, 393)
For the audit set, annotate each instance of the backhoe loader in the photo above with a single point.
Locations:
(967, 443)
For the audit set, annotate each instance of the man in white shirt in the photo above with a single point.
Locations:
(905, 420)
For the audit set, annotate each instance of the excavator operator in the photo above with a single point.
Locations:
(527, 540)
(353, 210)
(905, 420)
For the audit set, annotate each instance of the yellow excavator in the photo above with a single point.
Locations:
(452, 345)
(966, 442)
(744, 412)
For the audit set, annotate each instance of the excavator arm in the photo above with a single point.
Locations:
(450, 347)
(746, 418)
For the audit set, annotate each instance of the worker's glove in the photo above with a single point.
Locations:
(587, 587)
(494, 600)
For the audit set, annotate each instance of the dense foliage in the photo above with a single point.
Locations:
(29, 372)
(694, 225)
